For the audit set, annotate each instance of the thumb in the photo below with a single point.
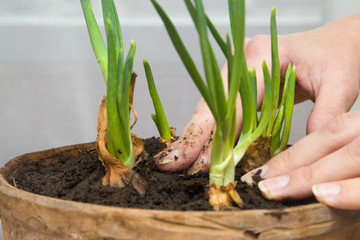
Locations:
(183, 153)
(334, 98)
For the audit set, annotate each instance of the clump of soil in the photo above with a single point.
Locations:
(79, 179)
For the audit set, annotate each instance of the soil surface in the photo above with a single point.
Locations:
(79, 179)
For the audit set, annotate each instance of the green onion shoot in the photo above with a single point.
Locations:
(167, 134)
(263, 139)
(222, 170)
(117, 147)
(226, 153)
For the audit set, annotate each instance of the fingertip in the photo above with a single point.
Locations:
(166, 160)
(170, 166)
(261, 172)
(201, 164)
(341, 194)
(185, 151)
(176, 158)
(247, 178)
(273, 188)
(327, 193)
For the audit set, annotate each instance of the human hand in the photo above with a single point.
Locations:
(325, 163)
(328, 73)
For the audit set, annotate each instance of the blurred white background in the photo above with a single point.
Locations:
(51, 84)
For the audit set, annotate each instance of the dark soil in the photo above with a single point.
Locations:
(79, 179)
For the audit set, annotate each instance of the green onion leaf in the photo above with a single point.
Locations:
(108, 6)
(266, 108)
(289, 106)
(237, 22)
(212, 71)
(114, 134)
(159, 116)
(184, 55)
(97, 41)
(275, 70)
(123, 99)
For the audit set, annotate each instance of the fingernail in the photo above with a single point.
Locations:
(163, 153)
(270, 186)
(203, 159)
(193, 171)
(248, 178)
(326, 190)
(199, 165)
(172, 157)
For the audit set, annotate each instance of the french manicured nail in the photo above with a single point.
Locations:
(270, 186)
(248, 178)
(172, 157)
(326, 191)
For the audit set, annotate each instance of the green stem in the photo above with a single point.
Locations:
(275, 135)
(114, 132)
(289, 107)
(275, 70)
(248, 101)
(161, 121)
(242, 146)
(216, 174)
(123, 94)
(253, 82)
(279, 120)
(222, 170)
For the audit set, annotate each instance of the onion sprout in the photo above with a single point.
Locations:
(225, 154)
(117, 73)
(167, 133)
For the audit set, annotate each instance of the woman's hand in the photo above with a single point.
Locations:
(328, 72)
(325, 163)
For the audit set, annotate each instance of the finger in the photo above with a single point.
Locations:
(342, 194)
(334, 135)
(342, 164)
(183, 152)
(335, 97)
(203, 161)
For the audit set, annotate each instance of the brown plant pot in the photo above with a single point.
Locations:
(26, 215)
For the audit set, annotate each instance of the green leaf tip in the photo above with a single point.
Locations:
(273, 11)
(133, 43)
